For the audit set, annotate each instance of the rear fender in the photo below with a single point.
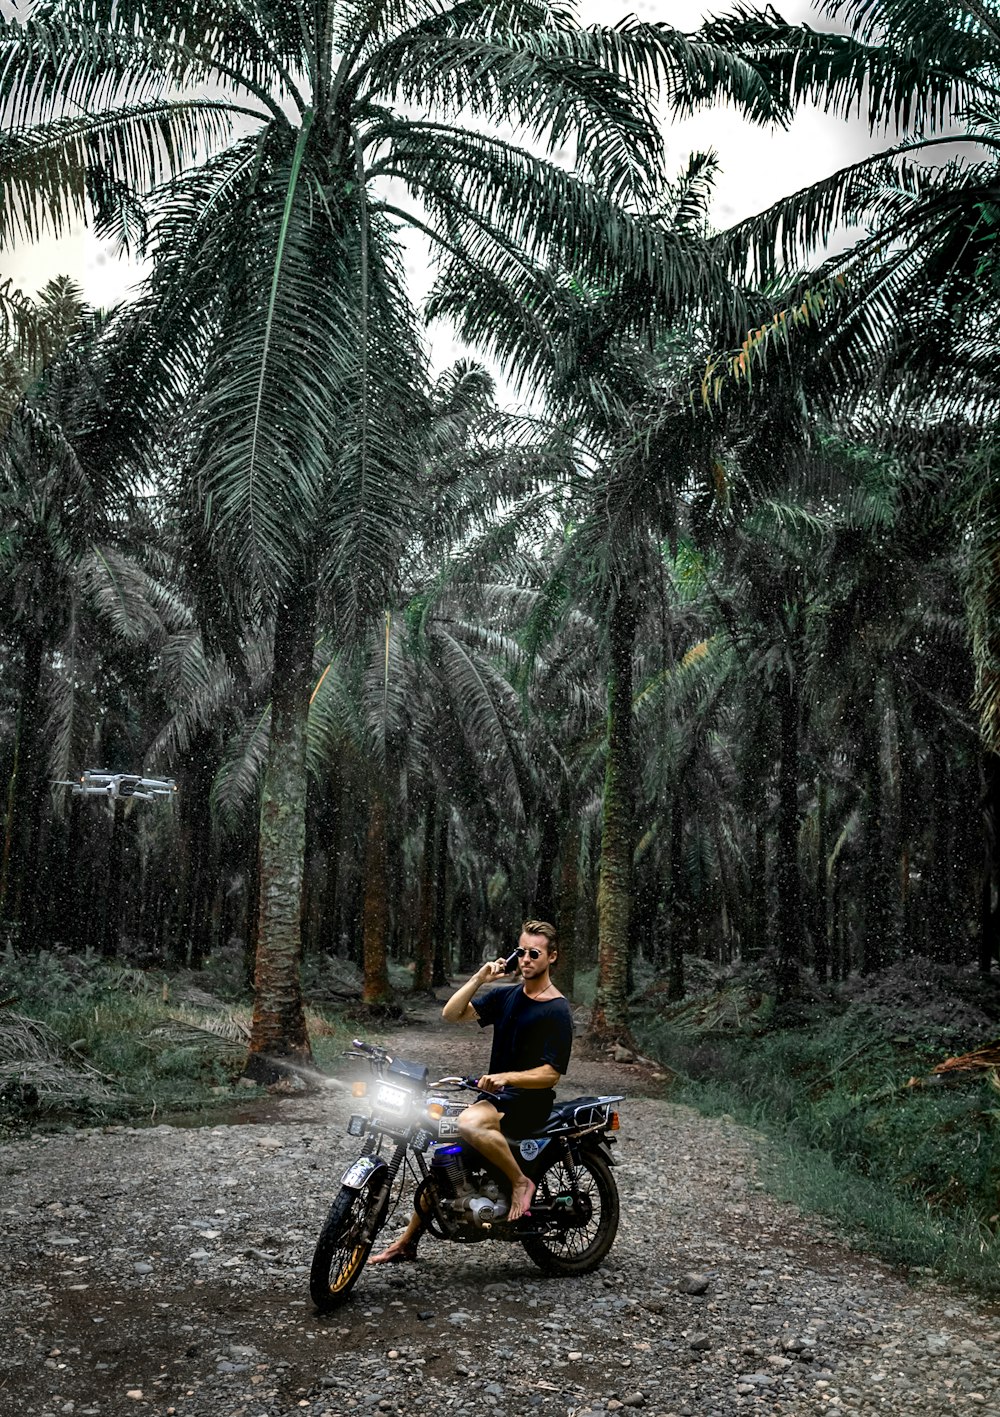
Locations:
(362, 1172)
(600, 1143)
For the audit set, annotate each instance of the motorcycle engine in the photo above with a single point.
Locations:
(474, 1198)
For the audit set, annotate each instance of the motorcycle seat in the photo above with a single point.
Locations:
(577, 1112)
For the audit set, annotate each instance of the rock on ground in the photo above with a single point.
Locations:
(164, 1270)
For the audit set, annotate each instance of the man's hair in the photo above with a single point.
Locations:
(542, 927)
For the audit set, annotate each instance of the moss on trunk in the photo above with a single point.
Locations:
(278, 1030)
(614, 892)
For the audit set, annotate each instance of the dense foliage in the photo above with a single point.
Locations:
(699, 659)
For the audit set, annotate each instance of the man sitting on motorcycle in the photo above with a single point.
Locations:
(532, 1037)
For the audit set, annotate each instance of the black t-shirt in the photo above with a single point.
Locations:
(526, 1032)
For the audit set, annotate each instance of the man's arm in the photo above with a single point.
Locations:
(544, 1076)
(459, 1008)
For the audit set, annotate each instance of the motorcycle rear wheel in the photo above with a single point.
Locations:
(580, 1245)
(341, 1251)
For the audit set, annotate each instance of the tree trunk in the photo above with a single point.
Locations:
(543, 905)
(111, 933)
(989, 925)
(24, 800)
(278, 1029)
(423, 968)
(569, 884)
(375, 911)
(881, 875)
(821, 946)
(787, 870)
(678, 931)
(442, 953)
(618, 825)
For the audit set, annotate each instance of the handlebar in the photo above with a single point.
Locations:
(468, 1084)
(376, 1056)
(372, 1049)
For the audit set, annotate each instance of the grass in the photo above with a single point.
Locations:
(87, 1042)
(914, 1171)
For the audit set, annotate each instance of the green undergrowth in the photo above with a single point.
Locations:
(912, 1170)
(87, 1042)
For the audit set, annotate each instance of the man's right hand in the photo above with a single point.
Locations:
(495, 970)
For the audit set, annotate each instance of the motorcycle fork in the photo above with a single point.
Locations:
(380, 1200)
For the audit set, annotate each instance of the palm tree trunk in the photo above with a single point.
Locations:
(881, 870)
(24, 799)
(675, 957)
(442, 952)
(111, 934)
(543, 906)
(821, 946)
(787, 870)
(375, 911)
(424, 964)
(989, 930)
(614, 893)
(278, 1029)
(569, 886)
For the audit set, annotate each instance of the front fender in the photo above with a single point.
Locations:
(362, 1172)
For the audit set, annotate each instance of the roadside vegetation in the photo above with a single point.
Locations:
(879, 1102)
(85, 1042)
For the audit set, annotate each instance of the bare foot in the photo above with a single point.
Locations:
(399, 1252)
(520, 1198)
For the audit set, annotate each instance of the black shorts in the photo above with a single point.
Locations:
(523, 1111)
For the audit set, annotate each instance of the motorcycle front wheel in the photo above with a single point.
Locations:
(584, 1228)
(342, 1249)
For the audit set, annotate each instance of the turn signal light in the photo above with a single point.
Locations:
(615, 1124)
(359, 1089)
(435, 1110)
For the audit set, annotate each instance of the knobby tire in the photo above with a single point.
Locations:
(576, 1248)
(341, 1253)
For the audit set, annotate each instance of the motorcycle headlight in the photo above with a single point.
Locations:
(391, 1099)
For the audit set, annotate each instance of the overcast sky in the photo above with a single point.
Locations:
(756, 168)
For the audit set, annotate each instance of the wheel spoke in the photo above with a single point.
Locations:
(583, 1205)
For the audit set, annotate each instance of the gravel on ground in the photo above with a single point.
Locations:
(164, 1270)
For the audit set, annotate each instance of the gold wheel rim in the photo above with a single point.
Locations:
(348, 1270)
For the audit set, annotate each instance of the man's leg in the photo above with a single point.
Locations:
(479, 1127)
(404, 1247)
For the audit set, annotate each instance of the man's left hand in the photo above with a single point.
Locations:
(492, 1082)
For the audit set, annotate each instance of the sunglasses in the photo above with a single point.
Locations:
(532, 954)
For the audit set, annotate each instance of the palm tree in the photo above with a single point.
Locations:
(914, 325)
(277, 298)
(67, 494)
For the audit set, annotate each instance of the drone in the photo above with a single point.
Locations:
(96, 783)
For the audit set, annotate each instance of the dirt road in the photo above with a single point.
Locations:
(164, 1270)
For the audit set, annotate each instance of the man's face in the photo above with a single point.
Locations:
(537, 945)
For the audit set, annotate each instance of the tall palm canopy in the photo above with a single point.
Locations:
(923, 206)
(273, 207)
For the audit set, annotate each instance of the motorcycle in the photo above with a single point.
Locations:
(573, 1218)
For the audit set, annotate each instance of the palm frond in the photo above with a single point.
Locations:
(51, 175)
(901, 78)
(237, 782)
